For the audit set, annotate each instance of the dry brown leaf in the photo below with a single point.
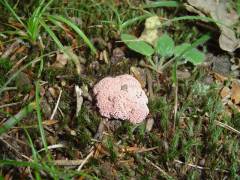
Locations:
(53, 92)
(225, 92)
(62, 58)
(220, 13)
(50, 122)
(235, 95)
(139, 74)
(61, 61)
(219, 77)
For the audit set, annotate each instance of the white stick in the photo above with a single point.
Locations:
(56, 106)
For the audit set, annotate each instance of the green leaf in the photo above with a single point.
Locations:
(165, 46)
(179, 50)
(190, 54)
(195, 56)
(137, 45)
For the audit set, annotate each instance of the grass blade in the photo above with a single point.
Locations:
(52, 34)
(22, 164)
(7, 5)
(161, 4)
(34, 21)
(18, 117)
(39, 116)
(20, 70)
(201, 40)
(202, 18)
(60, 45)
(75, 28)
(134, 20)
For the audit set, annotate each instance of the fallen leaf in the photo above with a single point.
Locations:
(183, 74)
(61, 61)
(219, 77)
(11, 49)
(235, 95)
(140, 75)
(225, 92)
(50, 122)
(151, 33)
(220, 12)
(149, 124)
(53, 92)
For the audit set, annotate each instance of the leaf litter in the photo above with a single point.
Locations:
(223, 17)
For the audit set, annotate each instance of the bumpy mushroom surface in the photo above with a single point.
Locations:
(121, 97)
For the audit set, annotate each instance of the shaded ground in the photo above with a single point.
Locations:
(199, 141)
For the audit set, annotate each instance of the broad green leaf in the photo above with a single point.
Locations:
(137, 45)
(180, 49)
(165, 46)
(189, 54)
(194, 56)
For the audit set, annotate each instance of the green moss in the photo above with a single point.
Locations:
(5, 66)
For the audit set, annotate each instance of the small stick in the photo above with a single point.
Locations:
(85, 160)
(67, 162)
(159, 169)
(9, 88)
(9, 105)
(200, 167)
(54, 146)
(56, 106)
(227, 127)
(79, 97)
(16, 65)
(175, 104)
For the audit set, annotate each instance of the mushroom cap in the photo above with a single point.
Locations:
(121, 97)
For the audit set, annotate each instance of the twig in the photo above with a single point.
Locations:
(56, 106)
(86, 159)
(138, 150)
(54, 146)
(16, 65)
(9, 88)
(9, 105)
(200, 167)
(79, 97)
(76, 162)
(14, 150)
(227, 127)
(159, 169)
(147, 149)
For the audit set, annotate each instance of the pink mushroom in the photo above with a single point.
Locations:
(121, 97)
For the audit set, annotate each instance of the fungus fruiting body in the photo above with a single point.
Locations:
(121, 97)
